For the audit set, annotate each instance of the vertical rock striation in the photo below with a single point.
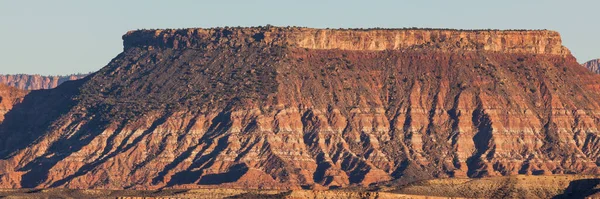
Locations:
(296, 107)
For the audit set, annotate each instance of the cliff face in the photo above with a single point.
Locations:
(9, 97)
(593, 65)
(286, 108)
(535, 42)
(36, 82)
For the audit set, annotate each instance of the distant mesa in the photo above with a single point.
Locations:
(37, 82)
(593, 65)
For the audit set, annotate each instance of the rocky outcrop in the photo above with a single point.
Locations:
(291, 108)
(36, 82)
(593, 65)
(9, 97)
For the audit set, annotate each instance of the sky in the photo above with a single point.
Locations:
(78, 36)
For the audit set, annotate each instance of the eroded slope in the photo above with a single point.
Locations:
(253, 108)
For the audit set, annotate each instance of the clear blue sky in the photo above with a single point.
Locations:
(63, 37)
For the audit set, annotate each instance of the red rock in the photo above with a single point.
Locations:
(9, 96)
(295, 107)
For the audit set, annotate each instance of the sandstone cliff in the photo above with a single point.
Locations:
(593, 65)
(537, 42)
(36, 82)
(295, 107)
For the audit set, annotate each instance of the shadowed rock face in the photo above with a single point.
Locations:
(37, 82)
(593, 65)
(294, 107)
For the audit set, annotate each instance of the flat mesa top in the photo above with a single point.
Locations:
(508, 41)
(278, 28)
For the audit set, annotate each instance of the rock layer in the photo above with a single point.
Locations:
(259, 108)
(517, 41)
(36, 82)
(593, 65)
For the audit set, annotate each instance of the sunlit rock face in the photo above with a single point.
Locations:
(517, 41)
(9, 97)
(295, 107)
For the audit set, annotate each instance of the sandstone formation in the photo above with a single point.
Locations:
(291, 108)
(9, 97)
(593, 65)
(36, 82)
(538, 42)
